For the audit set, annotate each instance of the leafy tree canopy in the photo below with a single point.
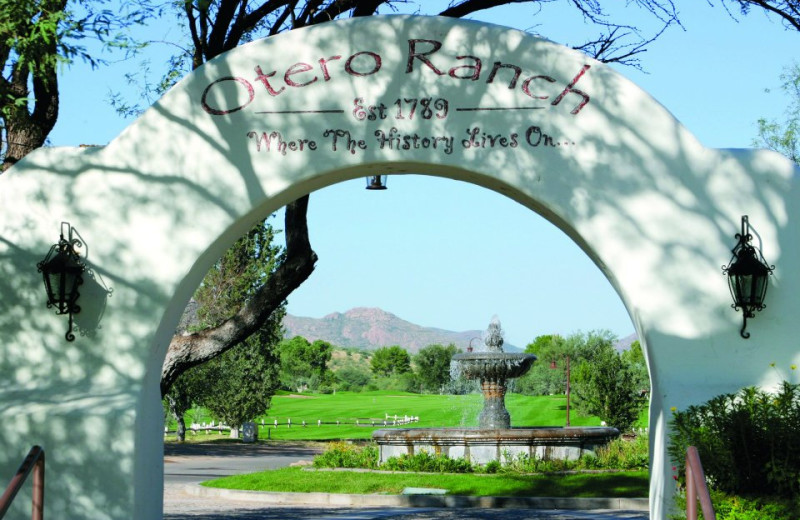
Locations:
(784, 136)
(36, 37)
(605, 386)
(433, 366)
(236, 386)
(239, 384)
(390, 360)
(304, 365)
(548, 348)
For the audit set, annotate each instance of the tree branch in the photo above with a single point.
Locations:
(367, 7)
(276, 27)
(468, 7)
(248, 21)
(190, 350)
(197, 44)
(334, 9)
(219, 29)
(788, 10)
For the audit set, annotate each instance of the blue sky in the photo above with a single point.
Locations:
(448, 254)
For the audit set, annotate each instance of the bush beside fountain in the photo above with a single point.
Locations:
(494, 439)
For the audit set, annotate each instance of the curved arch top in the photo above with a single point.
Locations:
(252, 130)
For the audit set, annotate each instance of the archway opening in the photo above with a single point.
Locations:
(440, 249)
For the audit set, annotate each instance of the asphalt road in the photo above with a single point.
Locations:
(193, 463)
(190, 464)
(409, 514)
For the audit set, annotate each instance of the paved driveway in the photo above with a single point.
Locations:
(192, 463)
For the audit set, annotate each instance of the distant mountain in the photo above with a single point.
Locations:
(625, 343)
(371, 328)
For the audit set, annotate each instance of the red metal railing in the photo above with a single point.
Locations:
(34, 461)
(696, 487)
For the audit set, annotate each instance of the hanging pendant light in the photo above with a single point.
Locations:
(376, 182)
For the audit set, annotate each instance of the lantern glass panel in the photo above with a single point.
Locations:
(748, 278)
(62, 276)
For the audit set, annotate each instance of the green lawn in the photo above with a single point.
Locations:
(373, 407)
(622, 484)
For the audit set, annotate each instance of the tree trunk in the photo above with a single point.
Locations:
(180, 431)
(234, 432)
(186, 351)
(26, 131)
(24, 136)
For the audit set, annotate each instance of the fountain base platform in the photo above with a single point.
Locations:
(481, 446)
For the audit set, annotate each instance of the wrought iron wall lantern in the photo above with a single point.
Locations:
(376, 182)
(62, 270)
(748, 276)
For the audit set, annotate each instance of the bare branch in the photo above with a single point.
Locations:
(276, 27)
(334, 9)
(223, 21)
(608, 49)
(468, 7)
(251, 20)
(367, 7)
(788, 10)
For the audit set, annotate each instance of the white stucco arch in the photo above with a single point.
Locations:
(583, 147)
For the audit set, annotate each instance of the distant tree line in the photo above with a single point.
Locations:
(238, 385)
(236, 388)
(612, 385)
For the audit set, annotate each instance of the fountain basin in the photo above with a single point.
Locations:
(493, 365)
(480, 445)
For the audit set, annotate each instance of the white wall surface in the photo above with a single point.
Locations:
(653, 208)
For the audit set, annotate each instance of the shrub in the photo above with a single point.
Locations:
(730, 507)
(623, 454)
(493, 466)
(748, 441)
(606, 386)
(619, 454)
(523, 463)
(426, 462)
(346, 455)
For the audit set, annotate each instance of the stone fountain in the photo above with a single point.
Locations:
(493, 368)
(494, 439)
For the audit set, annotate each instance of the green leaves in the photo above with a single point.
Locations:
(784, 136)
(605, 384)
(433, 366)
(748, 441)
(304, 365)
(237, 385)
(390, 360)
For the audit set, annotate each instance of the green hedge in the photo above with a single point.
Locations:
(749, 442)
